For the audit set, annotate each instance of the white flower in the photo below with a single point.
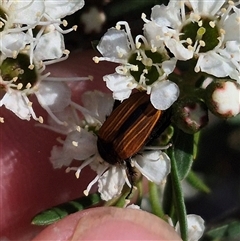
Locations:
(52, 96)
(195, 227)
(16, 17)
(59, 9)
(20, 79)
(203, 33)
(143, 65)
(154, 165)
(81, 144)
(24, 54)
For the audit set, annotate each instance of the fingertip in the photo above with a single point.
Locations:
(109, 223)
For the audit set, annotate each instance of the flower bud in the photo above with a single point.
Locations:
(190, 115)
(223, 98)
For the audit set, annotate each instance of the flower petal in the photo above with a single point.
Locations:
(13, 42)
(167, 16)
(59, 158)
(28, 11)
(55, 95)
(154, 165)
(14, 101)
(214, 64)
(121, 85)
(114, 44)
(49, 46)
(59, 9)
(110, 184)
(231, 27)
(195, 227)
(206, 6)
(98, 103)
(168, 66)
(80, 145)
(179, 51)
(164, 94)
(151, 31)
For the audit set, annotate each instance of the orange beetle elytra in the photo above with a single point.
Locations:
(130, 126)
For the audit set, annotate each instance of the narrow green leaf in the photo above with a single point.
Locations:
(121, 200)
(234, 120)
(168, 197)
(178, 196)
(58, 212)
(227, 231)
(183, 152)
(197, 183)
(195, 146)
(168, 202)
(154, 200)
(139, 186)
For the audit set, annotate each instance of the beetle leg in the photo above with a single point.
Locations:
(131, 173)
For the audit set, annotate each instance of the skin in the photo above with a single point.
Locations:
(110, 223)
(29, 184)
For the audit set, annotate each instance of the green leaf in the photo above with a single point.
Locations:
(195, 142)
(154, 200)
(121, 200)
(178, 196)
(183, 152)
(197, 183)
(234, 120)
(168, 205)
(58, 212)
(227, 231)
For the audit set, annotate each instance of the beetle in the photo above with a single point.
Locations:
(133, 124)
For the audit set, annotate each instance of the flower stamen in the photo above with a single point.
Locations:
(89, 187)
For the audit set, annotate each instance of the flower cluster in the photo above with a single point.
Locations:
(81, 144)
(144, 65)
(184, 45)
(31, 37)
(185, 48)
(206, 31)
(186, 61)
